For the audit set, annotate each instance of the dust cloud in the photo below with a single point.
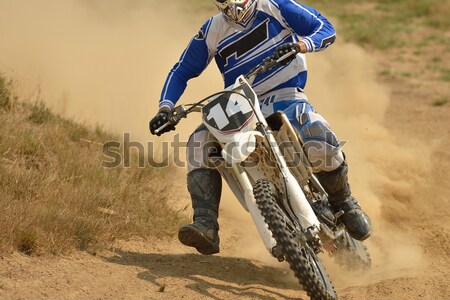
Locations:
(104, 62)
(384, 170)
(97, 61)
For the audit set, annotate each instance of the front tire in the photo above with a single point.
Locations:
(303, 261)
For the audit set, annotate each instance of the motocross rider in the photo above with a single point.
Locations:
(238, 38)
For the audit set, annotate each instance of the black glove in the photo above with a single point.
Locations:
(160, 119)
(285, 49)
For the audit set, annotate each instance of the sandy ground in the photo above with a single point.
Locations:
(167, 270)
(398, 153)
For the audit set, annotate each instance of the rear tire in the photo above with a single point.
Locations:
(303, 261)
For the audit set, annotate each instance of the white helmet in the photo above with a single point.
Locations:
(237, 11)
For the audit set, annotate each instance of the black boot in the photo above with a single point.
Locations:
(354, 218)
(205, 187)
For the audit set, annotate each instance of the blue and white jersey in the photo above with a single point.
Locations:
(236, 52)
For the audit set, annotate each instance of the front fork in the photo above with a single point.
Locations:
(251, 205)
(295, 200)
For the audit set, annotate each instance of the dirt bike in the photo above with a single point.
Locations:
(264, 163)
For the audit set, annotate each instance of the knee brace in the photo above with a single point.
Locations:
(320, 143)
(200, 144)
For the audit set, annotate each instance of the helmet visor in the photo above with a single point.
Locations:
(236, 10)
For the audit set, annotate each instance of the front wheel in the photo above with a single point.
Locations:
(303, 261)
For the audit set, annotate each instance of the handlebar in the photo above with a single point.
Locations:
(181, 111)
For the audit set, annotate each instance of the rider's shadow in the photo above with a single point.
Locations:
(205, 273)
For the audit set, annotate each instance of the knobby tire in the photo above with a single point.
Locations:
(302, 260)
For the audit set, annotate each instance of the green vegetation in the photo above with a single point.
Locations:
(445, 74)
(40, 114)
(400, 29)
(55, 196)
(385, 72)
(5, 93)
(440, 102)
(384, 23)
(406, 74)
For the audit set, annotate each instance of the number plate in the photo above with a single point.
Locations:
(228, 113)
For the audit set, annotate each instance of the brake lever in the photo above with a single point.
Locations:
(162, 127)
(177, 113)
(287, 55)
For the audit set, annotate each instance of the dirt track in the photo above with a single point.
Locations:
(167, 270)
(415, 210)
(137, 270)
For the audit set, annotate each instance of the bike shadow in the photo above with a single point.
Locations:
(208, 273)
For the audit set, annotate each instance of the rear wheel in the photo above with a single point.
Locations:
(303, 261)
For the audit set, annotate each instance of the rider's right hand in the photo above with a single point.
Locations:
(160, 119)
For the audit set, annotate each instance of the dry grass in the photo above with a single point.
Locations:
(5, 93)
(55, 196)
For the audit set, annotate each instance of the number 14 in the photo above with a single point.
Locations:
(235, 104)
